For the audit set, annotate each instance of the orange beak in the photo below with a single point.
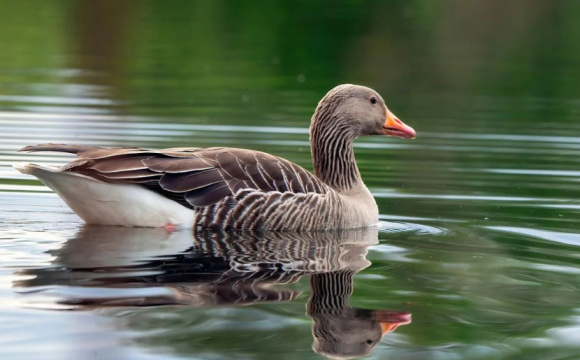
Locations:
(395, 127)
(390, 320)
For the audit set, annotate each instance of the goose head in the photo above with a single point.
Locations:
(349, 333)
(356, 110)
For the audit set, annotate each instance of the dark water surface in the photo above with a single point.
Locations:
(479, 237)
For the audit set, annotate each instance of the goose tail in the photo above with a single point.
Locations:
(98, 202)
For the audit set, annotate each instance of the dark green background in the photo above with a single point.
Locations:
(488, 193)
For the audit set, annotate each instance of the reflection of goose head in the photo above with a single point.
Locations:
(340, 331)
(110, 266)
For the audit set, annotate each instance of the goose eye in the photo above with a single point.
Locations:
(370, 342)
(373, 100)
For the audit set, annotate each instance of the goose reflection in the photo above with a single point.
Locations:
(109, 266)
(339, 330)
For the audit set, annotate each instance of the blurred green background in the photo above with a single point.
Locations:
(237, 59)
(487, 195)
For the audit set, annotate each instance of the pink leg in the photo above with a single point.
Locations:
(170, 228)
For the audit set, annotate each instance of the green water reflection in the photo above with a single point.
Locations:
(487, 202)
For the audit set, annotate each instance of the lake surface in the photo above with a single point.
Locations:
(477, 255)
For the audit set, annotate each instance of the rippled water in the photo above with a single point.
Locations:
(476, 255)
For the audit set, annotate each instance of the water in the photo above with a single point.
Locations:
(479, 232)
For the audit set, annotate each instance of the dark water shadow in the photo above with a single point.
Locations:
(111, 266)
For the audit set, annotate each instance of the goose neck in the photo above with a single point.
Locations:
(333, 155)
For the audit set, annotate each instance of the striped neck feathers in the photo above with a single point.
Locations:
(331, 143)
(330, 292)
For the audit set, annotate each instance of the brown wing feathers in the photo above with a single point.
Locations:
(175, 165)
(208, 195)
(191, 180)
(190, 176)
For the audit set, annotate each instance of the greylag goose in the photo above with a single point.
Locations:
(228, 188)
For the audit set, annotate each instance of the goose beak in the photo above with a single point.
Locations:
(395, 127)
(390, 320)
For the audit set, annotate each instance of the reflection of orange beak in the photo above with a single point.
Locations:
(390, 320)
(395, 127)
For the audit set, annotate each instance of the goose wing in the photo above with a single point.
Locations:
(191, 176)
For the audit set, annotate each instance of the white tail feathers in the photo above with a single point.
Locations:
(32, 169)
(98, 202)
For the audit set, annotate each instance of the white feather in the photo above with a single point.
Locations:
(97, 202)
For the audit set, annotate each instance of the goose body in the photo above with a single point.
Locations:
(229, 188)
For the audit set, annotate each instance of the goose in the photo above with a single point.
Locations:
(221, 188)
